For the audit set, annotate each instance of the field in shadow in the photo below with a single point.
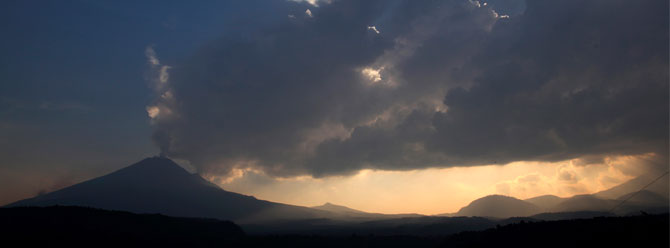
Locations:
(79, 226)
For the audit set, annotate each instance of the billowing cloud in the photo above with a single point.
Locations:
(450, 83)
(557, 83)
(164, 103)
(567, 178)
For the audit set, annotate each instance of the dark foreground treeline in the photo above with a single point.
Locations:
(632, 231)
(77, 226)
(80, 226)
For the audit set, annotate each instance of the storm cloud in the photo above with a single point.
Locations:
(400, 85)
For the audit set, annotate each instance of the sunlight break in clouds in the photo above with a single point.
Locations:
(153, 111)
(314, 3)
(373, 28)
(436, 191)
(372, 74)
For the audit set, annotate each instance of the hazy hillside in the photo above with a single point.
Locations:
(498, 206)
(546, 202)
(660, 187)
(645, 197)
(584, 203)
(338, 209)
(158, 185)
(644, 201)
(603, 201)
(578, 206)
(349, 214)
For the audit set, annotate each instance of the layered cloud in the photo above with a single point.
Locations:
(403, 85)
(573, 177)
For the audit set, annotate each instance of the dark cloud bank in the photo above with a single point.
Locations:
(443, 83)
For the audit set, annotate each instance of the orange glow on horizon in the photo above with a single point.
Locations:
(435, 191)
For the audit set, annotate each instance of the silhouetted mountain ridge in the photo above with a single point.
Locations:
(588, 205)
(498, 206)
(660, 187)
(644, 197)
(338, 208)
(545, 202)
(158, 185)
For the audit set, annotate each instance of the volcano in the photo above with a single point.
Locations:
(159, 185)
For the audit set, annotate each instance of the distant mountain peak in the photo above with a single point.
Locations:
(499, 206)
(328, 204)
(544, 196)
(337, 208)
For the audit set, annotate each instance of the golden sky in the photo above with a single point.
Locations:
(435, 191)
